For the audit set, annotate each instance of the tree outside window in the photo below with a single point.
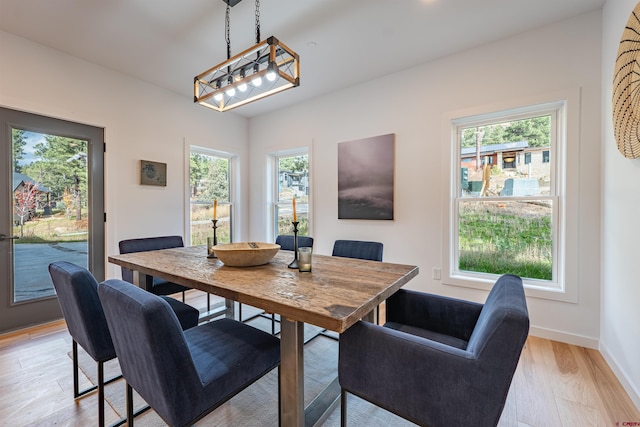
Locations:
(209, 180)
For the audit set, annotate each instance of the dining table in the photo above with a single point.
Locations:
(337, 293)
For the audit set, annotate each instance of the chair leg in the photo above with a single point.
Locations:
(239, 312)
(101, 394)
(129, 406)
(343, 408)
(183, 296)
(74, 352)
(76, 381)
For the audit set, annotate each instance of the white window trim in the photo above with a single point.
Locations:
(272, 178)
(233, 185)
(567, 243)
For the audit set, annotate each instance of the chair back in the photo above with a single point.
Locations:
(358, 249)
(497, 341)
(77, 291)
(286, 242)
(150, 344)
(146, 244)
(504, 319)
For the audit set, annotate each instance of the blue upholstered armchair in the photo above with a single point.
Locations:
(77, 292)
(156, 285)
(358, 249)
(438, 361)
(182, 375)
(286, 242)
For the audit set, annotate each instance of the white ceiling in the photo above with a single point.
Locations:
(340, 42)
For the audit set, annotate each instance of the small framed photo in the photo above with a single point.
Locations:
(153, 173)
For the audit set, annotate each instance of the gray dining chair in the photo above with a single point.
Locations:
(77, 292)
(446, 362)
(182, 375)
(286, 243)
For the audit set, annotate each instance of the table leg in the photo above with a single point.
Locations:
(141, 281)
(230, 312)
(369, 317)
(291, 373)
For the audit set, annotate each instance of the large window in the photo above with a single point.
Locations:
(291, 178)
(209, 181)
(507, 198)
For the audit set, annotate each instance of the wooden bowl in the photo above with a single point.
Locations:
(245, 254)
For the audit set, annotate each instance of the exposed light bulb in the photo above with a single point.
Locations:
(271, 76)
(217, 97)
(231, 91)
(242, 87)
(257, 81)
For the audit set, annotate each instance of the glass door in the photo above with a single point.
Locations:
(51, 200)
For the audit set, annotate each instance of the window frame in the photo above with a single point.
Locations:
(565, 177)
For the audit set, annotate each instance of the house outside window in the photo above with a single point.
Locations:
(506, 216)
(291, 179)
(209, 180)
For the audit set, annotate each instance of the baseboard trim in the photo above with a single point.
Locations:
(633, 393)
(573, 339)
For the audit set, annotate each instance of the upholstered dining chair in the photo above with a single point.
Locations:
(157, 286)
(182, 375)
(446, 362)
(359, 249)
(286, 244)
(77, 292)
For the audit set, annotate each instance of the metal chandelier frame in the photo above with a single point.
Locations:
(265, 69)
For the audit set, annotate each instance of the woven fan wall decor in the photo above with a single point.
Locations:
(626, 89)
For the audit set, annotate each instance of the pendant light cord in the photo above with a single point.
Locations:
(257, 21)
(227, 25)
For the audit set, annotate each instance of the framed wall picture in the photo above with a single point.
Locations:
(365, 178)
(153, 173)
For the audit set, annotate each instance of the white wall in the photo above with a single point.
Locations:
(141, 121)
(620, 320)
(412, 104)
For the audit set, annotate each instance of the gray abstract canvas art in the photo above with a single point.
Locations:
(366, 178)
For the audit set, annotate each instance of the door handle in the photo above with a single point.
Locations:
(4, 237)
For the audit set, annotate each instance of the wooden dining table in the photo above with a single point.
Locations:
(334, 295)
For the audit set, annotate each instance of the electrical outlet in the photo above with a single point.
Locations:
(436, 273)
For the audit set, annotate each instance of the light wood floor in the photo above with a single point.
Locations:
(556, 384)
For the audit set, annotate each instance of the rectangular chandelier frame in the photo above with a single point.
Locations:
(233, 83)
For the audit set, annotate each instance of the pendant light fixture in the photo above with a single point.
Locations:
(267, 68)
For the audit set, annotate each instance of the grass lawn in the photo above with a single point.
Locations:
(506, 237)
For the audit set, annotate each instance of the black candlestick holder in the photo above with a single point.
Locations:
(210, 245)
(294, 263)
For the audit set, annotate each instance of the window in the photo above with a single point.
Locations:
(209, 180)
(291, 179)
(506, 216)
